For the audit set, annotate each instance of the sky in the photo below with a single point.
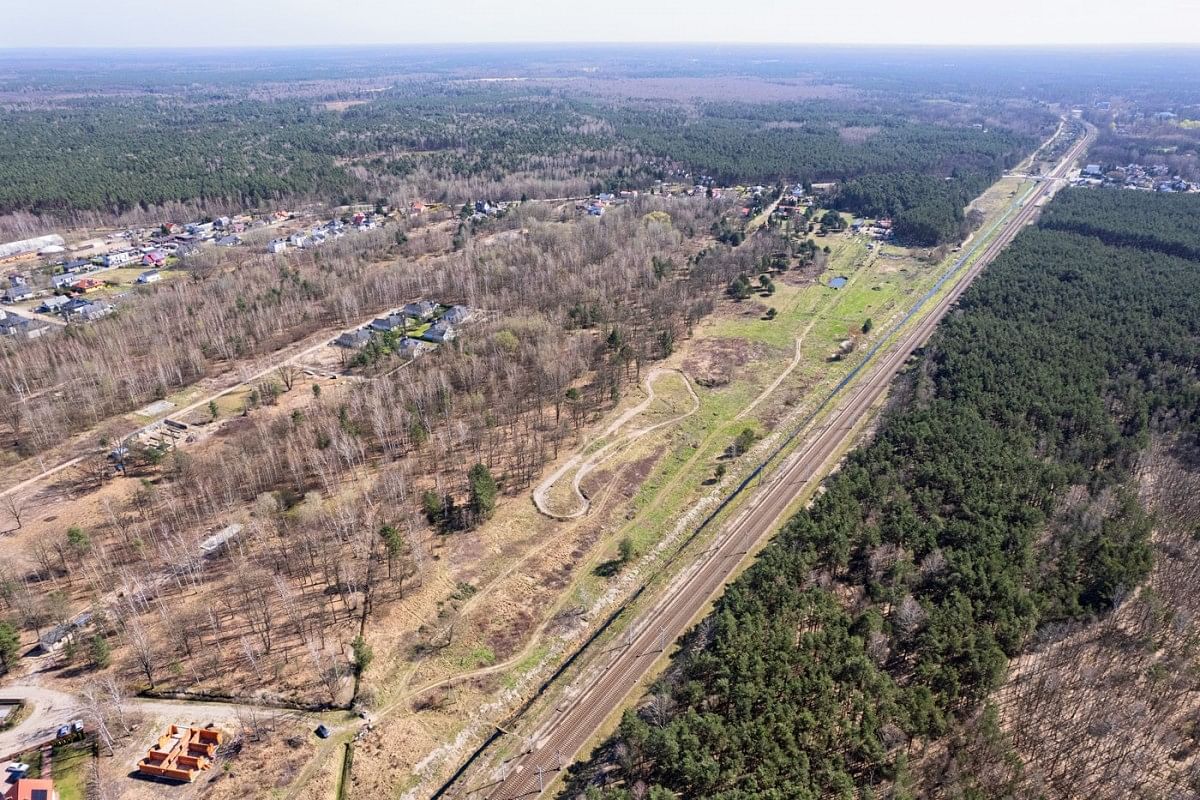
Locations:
(158, 23)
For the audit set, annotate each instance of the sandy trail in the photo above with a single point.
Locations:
(585, 465)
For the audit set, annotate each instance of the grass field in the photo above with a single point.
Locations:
(70, 768)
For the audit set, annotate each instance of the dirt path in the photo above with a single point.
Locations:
(17, 311)
(766, 213)
(52, 708)
(586, 465)
(800, 337)
(781, 377)
(272, 365)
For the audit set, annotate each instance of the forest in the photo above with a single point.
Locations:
(237, 148)
(397, 440)
(1124, 219)
(881, 617)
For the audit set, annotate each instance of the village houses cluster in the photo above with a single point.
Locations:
(320, 234)
(64, 284)
(1152, 178)
(419, 325)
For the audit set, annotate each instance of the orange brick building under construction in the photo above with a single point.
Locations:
(181, 754)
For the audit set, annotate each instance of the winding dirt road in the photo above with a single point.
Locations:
(587, 464)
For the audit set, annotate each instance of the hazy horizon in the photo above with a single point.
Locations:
(142, 24)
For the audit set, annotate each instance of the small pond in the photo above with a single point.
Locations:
(838, 282)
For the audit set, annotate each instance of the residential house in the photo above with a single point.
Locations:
(440, 333)
(150, 276)
(72, 306)
(353, 339)
(155, 258)
(56, 636)
(392, 322)
(118, 259)
(421, 309)
(199, 228)
(222, 222)
(77, 265)
(17, 292)
(94, 311)
(457, 315)
(1092, 169)
(22, 328)
(229, 241)
(298, 239)
(86, 285)
(411, 348)
(277, 246)
(32, 789)
(53, 304)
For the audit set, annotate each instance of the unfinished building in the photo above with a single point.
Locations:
(181, 753)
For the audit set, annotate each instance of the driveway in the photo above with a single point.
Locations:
(50, 709)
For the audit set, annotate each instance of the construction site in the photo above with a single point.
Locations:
(181, 754)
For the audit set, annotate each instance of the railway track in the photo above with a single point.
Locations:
(559, 740)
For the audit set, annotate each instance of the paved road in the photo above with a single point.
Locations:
(562, 736)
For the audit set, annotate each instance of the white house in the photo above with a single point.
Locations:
(119, 258)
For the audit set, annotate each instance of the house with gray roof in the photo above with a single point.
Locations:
(440, 333)
(353, 339)
(53, 304)
(457, 315)
(422, 310)
(392, 322)
(411, 348)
